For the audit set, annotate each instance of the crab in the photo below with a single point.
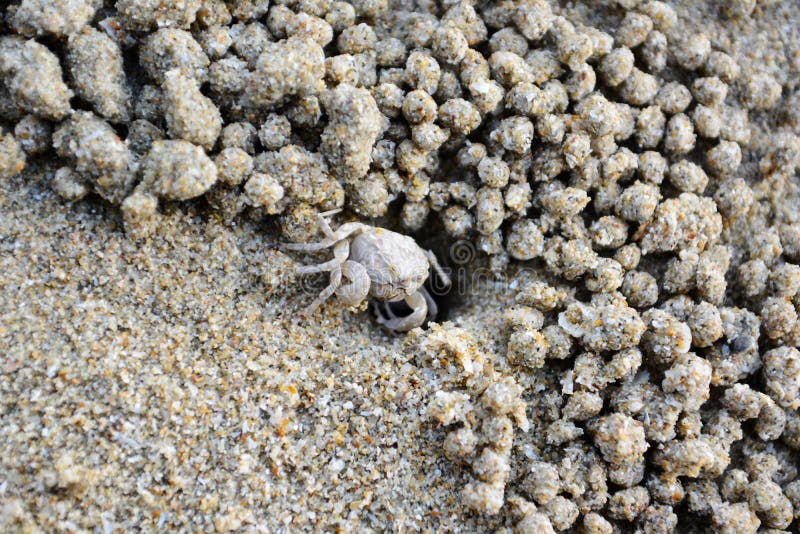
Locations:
(376, 263)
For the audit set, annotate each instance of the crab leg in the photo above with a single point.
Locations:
(323, 222)
(433, 310)
(343, 232)
(341, 251)
(322, 267)
(436, 267)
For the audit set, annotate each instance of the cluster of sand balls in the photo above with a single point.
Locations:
(664, 327)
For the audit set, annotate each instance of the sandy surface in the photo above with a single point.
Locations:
(169, 383)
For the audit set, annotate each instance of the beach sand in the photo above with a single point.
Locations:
(170, 384)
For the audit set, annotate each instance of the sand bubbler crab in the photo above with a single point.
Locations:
(376, 263)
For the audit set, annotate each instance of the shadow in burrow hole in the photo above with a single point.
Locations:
(446, 294)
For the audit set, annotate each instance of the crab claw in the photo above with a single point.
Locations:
(356, 290)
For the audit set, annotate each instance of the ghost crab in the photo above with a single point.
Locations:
(376, 263)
